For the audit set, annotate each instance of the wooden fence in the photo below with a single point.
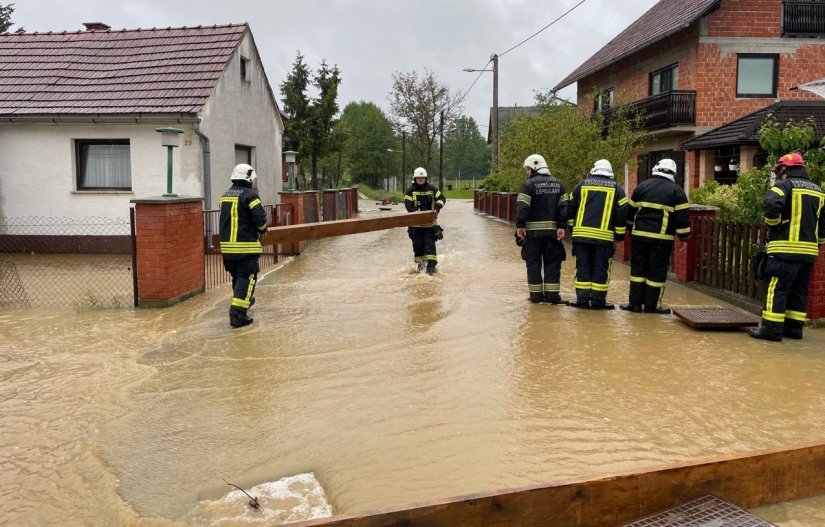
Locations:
(723, 251)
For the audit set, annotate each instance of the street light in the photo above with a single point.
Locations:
(395, 185)
(289, 157)
(169, 139)
(494, 116)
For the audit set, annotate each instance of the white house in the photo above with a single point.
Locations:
(78, 112)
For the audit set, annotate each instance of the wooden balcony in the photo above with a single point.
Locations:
(665, 110)
(803, 18)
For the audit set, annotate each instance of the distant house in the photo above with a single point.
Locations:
(693, 66)
(507, 116)
(78, 112)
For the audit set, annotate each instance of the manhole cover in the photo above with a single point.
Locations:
(715, 317)
(708, 511)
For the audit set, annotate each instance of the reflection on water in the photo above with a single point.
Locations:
(390, 387)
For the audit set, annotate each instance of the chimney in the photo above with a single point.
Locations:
(96, 26)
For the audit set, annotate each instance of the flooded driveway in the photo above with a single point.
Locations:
(387, 386)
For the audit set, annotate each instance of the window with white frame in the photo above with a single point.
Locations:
(756, 75)
(103, 164)
(604, 100)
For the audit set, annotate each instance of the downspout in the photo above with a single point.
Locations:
(207, 167)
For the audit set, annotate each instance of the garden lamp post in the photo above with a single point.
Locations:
(169, 139)
(289, 157)
(494, 113)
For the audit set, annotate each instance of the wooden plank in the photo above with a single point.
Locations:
(325, 229)
(747, 480)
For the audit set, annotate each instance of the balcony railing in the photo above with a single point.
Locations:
(801, 18)
(664, 110)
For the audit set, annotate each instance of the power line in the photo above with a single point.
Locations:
(480, 73)
(542, 29)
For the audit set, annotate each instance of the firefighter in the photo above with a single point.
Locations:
(597, 214)
(658, 212)
(242, 221)
(540, 221)
(423, 196)
(795, 216)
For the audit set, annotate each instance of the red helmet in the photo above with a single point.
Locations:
(790, 160)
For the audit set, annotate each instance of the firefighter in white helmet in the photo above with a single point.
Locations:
(597, 215)
(540, 221)
(424, 196)
(658, 214)
(243, 220)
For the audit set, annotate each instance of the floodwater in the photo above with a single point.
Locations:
(362, 385)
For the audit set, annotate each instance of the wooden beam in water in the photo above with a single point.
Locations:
(325, 229)
(746, 480)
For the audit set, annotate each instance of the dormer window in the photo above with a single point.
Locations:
(664, 80)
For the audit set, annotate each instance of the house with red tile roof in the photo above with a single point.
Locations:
(695, 66)
(78, 113)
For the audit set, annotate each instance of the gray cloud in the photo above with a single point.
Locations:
(370, 39)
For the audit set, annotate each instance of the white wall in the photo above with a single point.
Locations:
(242, 112)
(38, 175)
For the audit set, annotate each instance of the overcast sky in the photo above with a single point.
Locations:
(371, 39)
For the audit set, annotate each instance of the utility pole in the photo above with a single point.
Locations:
(441, 154)
(403, 160)
(494, 116)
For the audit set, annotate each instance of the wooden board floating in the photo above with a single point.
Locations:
(715, 317)
(748, 480)
(325, 229)
(702, 512)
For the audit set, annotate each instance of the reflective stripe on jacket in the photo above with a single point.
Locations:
(243, 219)
(423, 197)
(597, 212)
(541, 206)
(794, 213)
(659, 211)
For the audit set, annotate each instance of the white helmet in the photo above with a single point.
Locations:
(420, 172)
(602, 167)
(665, 168)
(243, 172)
(535, 162)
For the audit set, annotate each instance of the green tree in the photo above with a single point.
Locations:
(466, 153)
(416, 104)
(571, 141)
(369, 135)
(5, 19)
(310, 121)
(778, 139)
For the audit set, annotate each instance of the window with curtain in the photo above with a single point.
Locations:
(103, 164)
(756, 75)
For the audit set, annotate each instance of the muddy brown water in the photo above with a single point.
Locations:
(387, 386)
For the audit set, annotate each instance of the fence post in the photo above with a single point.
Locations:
(170, 249)
(296, 200)
(684, 254)
(816, 291)
(330, 204)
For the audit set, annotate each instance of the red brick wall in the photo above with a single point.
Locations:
(816, 300)
(746, 18)
(170, 252)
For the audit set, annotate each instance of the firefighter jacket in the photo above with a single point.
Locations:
(541, 206)
(659, 211)
(597, 212)
(795, 214)
(243, 219)
(423, 197)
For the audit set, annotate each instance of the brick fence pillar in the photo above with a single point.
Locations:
(684, 253)
(330, 208)
(816, 292)
(296, 199)
(169, 242)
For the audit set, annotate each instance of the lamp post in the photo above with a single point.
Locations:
(289, 157)
(169, 139)
(389, 151)
(494, 114)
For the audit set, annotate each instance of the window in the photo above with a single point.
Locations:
(603, 100)
(103, 164)
(664, 80)
(244, 69)
(243, 154)
(726, 165)
(756, 75)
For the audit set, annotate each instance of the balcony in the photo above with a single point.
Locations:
(665, 110)
(803, 19)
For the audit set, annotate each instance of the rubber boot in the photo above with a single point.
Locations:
(635, 298)
(792, 329)
(651, 302)
(422, 265)
(431, 267)
(536, 298)
(767, 331)
(554, 298)
(238, 318)
(582, 299)
(599, 301)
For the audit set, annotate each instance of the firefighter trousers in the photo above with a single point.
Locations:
(648, 273)
(244, 271)
(423, 242)
(543, 254)
(592, 271)
(786, 296)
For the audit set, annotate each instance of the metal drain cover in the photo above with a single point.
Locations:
(707, 511)
(715, 317)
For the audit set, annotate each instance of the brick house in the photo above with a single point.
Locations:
(696, 65)
(78, 112)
